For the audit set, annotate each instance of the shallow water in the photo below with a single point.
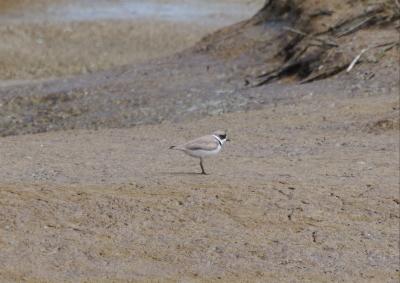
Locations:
(55, 38)
(200, 11)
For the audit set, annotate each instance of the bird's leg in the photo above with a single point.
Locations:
(202, 168)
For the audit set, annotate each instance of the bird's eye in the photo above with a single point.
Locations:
(222, 137)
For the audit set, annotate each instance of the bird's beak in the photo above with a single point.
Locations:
(228, 140)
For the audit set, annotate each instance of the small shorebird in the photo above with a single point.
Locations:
(203, 146)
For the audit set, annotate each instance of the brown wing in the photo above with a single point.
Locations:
(205, 143)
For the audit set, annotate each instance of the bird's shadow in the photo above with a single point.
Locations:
(184, 173)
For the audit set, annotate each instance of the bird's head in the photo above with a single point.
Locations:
(221, 134)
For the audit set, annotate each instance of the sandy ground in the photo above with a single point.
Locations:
(306, 191)
(47, 39)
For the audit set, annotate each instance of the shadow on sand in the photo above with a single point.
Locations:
(184, 173)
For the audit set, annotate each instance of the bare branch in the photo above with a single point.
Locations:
(355, 60)
(355, 27)
(295, 31)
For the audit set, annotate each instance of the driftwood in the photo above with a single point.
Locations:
(356, 26)
(388, 45)
(313, 56)
(307, 56)
(350, 67)
(348, 26)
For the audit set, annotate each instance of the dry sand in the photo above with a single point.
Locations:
(44, 39)
(306, 191)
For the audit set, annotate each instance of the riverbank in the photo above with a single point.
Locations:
(50, 39)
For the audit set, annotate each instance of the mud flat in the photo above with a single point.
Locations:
(307, 191)
(309, 194)
(47, 39)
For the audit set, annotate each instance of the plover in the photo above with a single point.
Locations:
(203, 146)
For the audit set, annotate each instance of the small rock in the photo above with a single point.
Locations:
(219, 250)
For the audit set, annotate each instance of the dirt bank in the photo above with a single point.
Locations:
(220, 74)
